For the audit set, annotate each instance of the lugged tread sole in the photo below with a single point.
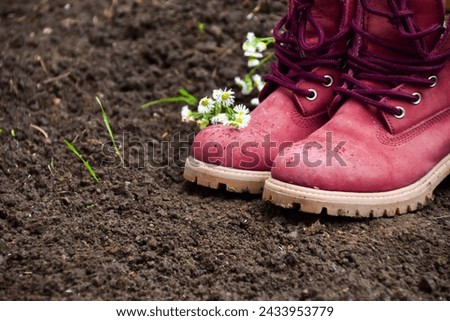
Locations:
(349, 204)
(234, 180)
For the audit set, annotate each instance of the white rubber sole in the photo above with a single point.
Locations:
(391, 203)
(234, 180)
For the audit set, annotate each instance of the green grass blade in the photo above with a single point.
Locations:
(184, 97)
(108, 128)
(192, 100)
(85, 163)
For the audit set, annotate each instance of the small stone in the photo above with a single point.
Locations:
(3, 214)
(56, 101)
(427, 285)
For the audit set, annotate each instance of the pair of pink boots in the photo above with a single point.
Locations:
(355, 118)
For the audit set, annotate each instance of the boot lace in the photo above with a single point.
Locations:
(418, 69)
(296, 57)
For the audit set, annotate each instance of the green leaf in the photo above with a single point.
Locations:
(201, 27)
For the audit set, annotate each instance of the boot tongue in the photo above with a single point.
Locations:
(426, 14)
(327, 13)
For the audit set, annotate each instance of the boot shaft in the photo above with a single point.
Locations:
(313, 34)
(332, 16)
(399, 63)
(401, 28)
(318, 19)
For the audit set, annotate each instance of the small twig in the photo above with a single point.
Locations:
(57, 78)
(51, 167)
(77, 136)
(226, 51)
(441, 217)
(43, 132)
(110, 13)
(35, 97)
(43, 66)
(13, 87)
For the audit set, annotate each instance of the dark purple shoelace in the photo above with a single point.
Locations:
(296, 56)
(418, 69)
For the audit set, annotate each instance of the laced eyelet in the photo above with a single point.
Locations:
(402, 112)
(342, 63)
(329, 82)
(314, 95)
(434, 79)
(418, 100)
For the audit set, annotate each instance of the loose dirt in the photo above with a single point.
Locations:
(143, 233)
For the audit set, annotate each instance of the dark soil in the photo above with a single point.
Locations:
(142, 232)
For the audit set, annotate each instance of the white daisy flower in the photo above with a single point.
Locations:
(258, 82)
(205, 105)
(250, 44)
(256, 78)
(245, 88)
(253, 55)
(241, 121)
(220, 119)
(250, 36)
(241, 110)
(254, 102)
(261, 46)
(225, 97)
(186, 114)
(216, 94)
(253, 62)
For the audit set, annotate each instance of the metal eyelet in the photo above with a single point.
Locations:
(434, 79)
(402, 112)
(330, 81)
(314, 95)
(342, 63)
(418, 100)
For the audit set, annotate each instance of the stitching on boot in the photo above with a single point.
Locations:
(403, 138)
(308, 122)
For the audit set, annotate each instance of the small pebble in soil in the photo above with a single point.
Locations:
(427, 285)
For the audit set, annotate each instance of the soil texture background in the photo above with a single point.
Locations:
(143, 233)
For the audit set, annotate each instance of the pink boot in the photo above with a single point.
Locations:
(388, 146)
(311, 47)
